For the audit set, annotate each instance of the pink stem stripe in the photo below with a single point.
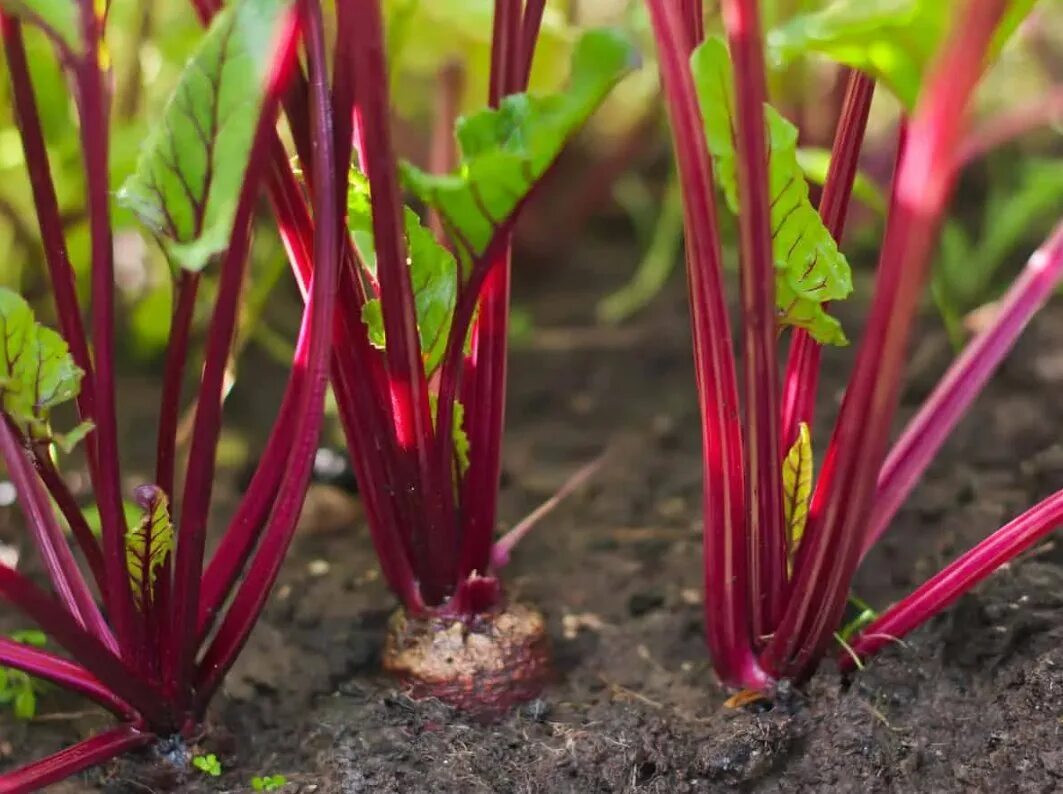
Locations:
(726, 560)
(318, 324)
(173, 378)
(115, 674)
(767, 535)
(359, 396)
(529, 34)
(485, 421)
(943, 409)
(802, 367)
(94, 107)
(425, 485)
(66, 763)
(71, 511)
(842, 500)
(943, 589)
(195, 503)
(58, 560)
(59, 671)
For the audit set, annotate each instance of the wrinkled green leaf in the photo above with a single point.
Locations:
(433, 275)
(892, 40)
(188, 176)
(505, 151)
(815, 164)
(148, 543)
(37, 371)
(60, 19)
(809, 268)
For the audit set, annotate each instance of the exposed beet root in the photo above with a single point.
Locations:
(484, 667)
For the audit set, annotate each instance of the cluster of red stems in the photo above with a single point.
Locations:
(157, 657)
(764, 622)
(156, 661)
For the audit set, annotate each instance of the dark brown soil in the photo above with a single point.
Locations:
(973, 702)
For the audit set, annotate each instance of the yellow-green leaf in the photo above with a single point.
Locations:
(461, 438)
(37, 372)
(149, 543)
(797, 485)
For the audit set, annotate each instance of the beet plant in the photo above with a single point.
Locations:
(780, 545)
(419, 362)
(154, 646)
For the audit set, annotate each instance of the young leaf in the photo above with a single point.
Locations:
(461, 438)
(269, 782)
(59, 19)
(809, 268)
(148, 543)
(189, 172)
(892, 40)
(207, 764)
(37, 371)
(505, 151)
(433, 275)
(797, 485)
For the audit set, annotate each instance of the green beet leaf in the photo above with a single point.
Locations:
(809, 268)
(37, 373)
(892, 40)
(188, 176)
(149, 543)
(505, 151)
(433, 275)
(60, 19)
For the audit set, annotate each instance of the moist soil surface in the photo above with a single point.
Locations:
(971, 702)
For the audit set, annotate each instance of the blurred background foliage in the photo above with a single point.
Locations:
(620, 173)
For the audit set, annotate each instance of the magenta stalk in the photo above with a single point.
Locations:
(801, 381)
(962, 383)
(318, 323)
(955, 580)
(842, 499)
(727, 614)
(760, 381)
